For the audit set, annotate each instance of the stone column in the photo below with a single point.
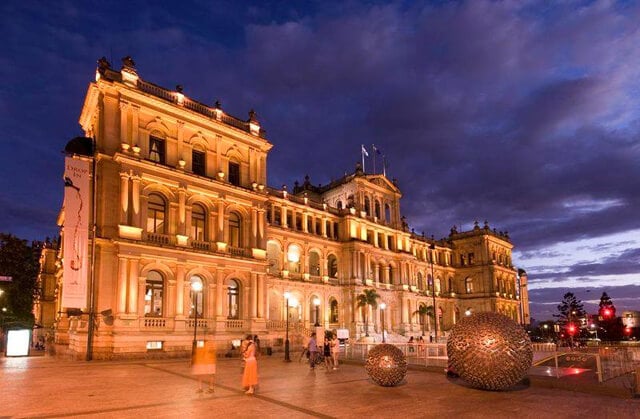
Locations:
(135, 124)
(220, 230)
(122, 285)
(180, 290)
(305, 226)
(134, 286)
(182, 211)
(219, 294)
(283, 216)
(254, 296)
(262, 242)
(124, 113)
(124, 198)
(254, 228)
(135, 202)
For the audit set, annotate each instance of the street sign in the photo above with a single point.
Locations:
(6, 278)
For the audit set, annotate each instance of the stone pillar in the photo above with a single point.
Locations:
(283, 217)
(182, 212)
(262, 242)
(124, 113)
(122, 285)
(124, 198)
(253, 306)
(134, 286)
(305, 226)
(220, 230)
(219, 294)
(135, 124)
(141, 289)
(254, 228)
(180, 290)
(135, 202)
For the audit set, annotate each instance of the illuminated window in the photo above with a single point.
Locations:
(420, 280)
(234, 229)
(333, 311)
(156, 212)
(468, 285)
(367, 205)
(198, 223)
(156, 149)
(332, 263)
(314, 263)
(233, 292)
(154, 293)
(293, 257)
(377, 209)
(197, 298)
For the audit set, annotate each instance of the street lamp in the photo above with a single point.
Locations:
(546, 332)
(593, 326)
(196, 287)
(287, 295)
(316, 302)
(382, 307)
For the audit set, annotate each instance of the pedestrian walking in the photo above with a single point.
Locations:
(312, 347)
(250, 374)
(335, 350)
(326, 349)
(203, 365)
(305, 349)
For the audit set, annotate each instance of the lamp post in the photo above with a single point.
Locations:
(316, 303)
(196, 287)
(286, 340)
(432, 246)
(382, 307)
(593, 326)
(546, 333)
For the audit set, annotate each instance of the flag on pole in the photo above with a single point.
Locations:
(364, 151)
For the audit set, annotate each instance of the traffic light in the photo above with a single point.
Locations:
(606, 313)
(571, 329)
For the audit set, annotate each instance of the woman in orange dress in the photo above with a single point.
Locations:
(250, 375)
(203, 364)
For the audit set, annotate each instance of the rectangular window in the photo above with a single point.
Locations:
(471, 256)
(234, 173)
(156, 150)
(198, 162)
(154, 345)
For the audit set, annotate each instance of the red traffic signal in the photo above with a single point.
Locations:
(606, 312)
(571, 329)
(627, 330)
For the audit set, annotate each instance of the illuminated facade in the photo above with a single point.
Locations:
(181, 197)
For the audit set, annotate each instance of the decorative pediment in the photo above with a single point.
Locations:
(382, 181)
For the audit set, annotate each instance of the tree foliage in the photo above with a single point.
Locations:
(606, 303)
(367, 298)
(424, 311)
(20, 261)
(570, 309)
(607, 317)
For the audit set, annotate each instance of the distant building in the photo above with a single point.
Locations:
(631, 318)
(181, 199)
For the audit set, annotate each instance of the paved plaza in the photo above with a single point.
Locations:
(43, 387)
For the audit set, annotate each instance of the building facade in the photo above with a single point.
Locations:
(181, 203)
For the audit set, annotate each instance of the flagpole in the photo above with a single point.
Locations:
(373, 150)
(384, 166)
(362, 152)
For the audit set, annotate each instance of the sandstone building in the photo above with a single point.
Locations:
(181, 197)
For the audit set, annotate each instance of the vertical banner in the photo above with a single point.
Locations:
(77, 200)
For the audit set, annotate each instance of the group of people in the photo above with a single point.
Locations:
(330, 350)
(203, 364)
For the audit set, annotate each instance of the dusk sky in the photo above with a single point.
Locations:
(522, 113)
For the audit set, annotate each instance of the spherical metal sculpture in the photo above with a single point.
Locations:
(386, 365)
(489, 351)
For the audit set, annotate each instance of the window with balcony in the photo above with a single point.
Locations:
(156, 214)
(198, 223)
(233, 298)
(314, 263)
(154, 294)
(332, 263)
(197, 298)
(235, 229)
(157, 150)
(198, 163)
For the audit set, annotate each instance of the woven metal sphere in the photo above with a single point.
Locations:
(489, 351)
(386, 365)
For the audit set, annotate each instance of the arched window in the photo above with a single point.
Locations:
(420, 280)
(450, 285)
(234, 173)
(333, 311)
(332, 263)
(233, 300)
(438, 285)
(367, 205)
(339, 204)
(429, 281)
(273, 258)
(387, 212)
(391, 274)
(198, 223)
(314, 264)
(156, 214)
(197, 298)
(235, 229)
(294, 253)
(198, 161)
(468, 285)
(156, 149)
(377, 209)
(154, 294)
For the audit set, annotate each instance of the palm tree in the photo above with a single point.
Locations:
(368, 298)
(422, 311)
